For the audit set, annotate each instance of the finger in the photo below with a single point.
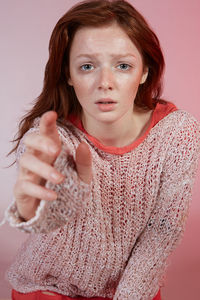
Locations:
(24, 188)
(40, 143)
(48, 126)
(84, 162)
(31, 164)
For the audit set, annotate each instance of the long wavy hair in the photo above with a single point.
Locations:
(58, 95)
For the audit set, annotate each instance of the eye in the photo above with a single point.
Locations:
(124, 66)
(86, 67)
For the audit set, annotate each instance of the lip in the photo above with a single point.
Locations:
(106, 104)
(104, 100)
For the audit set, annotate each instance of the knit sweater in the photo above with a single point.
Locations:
(111, 238)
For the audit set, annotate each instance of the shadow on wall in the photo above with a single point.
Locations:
(5, 288)
(182, 278)
(10, 240)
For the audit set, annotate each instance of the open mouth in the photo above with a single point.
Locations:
(106, 106)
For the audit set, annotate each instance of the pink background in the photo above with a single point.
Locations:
(25, 30)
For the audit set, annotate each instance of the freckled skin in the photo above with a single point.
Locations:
(106, 76)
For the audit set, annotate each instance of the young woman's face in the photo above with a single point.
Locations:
(106, 70)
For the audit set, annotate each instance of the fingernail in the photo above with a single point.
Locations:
(51, 196)
(52, 149)
(56, 177)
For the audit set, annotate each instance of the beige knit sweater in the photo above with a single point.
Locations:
(111, 238)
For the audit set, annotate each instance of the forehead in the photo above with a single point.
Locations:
(111, 38)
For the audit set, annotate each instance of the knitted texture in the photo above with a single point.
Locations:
(111, 238)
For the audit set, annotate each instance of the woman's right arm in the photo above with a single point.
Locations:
(36, 166)
(47, 182)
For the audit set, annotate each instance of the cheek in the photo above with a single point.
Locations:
(131, 85)
(129, 90)
(130, 80)
(83, 86)
(82, 90)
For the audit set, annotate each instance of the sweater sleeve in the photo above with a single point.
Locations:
(146, 267)
(72, 196)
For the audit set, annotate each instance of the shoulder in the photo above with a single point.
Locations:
(185, 133)
(179, 131)
(179, 120)
(185, 121)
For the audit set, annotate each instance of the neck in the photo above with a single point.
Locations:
(120, 133)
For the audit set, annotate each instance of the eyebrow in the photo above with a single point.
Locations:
(112, 55)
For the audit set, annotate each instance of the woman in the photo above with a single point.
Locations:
(105, 191)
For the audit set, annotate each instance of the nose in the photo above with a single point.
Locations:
(106, 79)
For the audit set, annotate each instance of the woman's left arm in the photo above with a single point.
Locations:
(143, 275)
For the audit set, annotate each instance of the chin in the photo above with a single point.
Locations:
(108, 120)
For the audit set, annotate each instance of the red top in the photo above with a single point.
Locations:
(160, 111)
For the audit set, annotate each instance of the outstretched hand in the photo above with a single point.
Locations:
(83, 156)
(36, 166)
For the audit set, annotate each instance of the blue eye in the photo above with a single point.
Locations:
(86, 69)
(126, 66)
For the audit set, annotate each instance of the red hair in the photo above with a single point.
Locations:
(57, 95)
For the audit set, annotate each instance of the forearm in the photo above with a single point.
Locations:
(72, 195)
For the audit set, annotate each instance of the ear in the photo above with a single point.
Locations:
(69, 81)
(145, 75)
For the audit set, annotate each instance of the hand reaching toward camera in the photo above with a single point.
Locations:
(36, 166)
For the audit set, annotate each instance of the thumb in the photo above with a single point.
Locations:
(84, 162)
